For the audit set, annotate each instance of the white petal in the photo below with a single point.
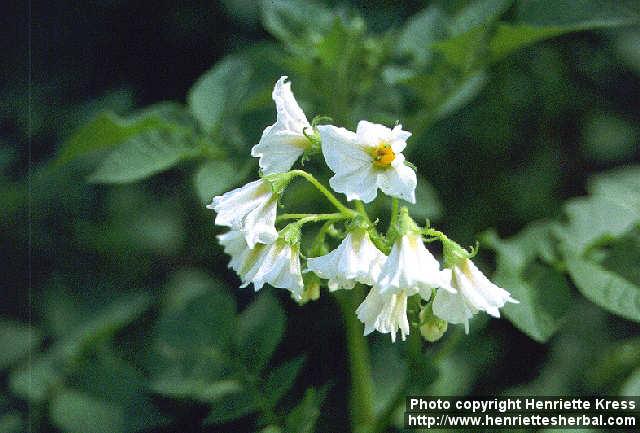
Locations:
(279, 150)
(372, 134)
(358, 184)
(341, 150)
(355, 259)
(399, 180)
(399, 138)
(384, 313)
(410, 266)
(289, 112)
(250, 209)
(234, 245)
(452, 307)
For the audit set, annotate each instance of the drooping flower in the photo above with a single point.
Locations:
(385, 313)
(412, 268)
(355, 260)
(368, 159)
(283, 142)
(277, 264)
(250, 209)
(473, 292)
(234, 245)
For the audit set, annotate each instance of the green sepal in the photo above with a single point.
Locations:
(279, 181)
(290, 234)
(453, 253)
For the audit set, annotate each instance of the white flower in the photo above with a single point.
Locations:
(368, 159)
(355, 260)
(411, 267)
(235, 245)
(283, 142)
(384, 313)
(474, 292)
(277, 264)
(251, 209)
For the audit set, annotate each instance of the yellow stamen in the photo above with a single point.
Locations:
(383, 155)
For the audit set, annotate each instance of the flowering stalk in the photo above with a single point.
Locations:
(410, 294)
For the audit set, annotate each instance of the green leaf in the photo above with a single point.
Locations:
(281, 379)
(579, 13)
(204, 325)
(16, 341)
(631, 387)
(421, 31)
(12, 422)
(428, 205)
(605, 288)
(231, 407)
(542, 19)
(144, 155)
(595, 220)
(260, 328)
(544, 297)
(296, 23)
(303, 417)
(543, 293)
(34, 381)
(104, 389)
(621, 186)
(478, 13)
(191, 346)
(104, 325)
(78, 412)
(512, 37)
(108, 129)
(461, 95)
(219, 176)
(198, 389)
(218, 94)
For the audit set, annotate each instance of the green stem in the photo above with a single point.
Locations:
(322, 217)
(362, 392)
(394, 212)
(320, 187)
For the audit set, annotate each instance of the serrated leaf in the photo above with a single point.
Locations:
(217, 177)
(231, 407)
(144, 155)
(16, 341)
(260, 329)
(218, 93)
(605, 288)
(281, 379)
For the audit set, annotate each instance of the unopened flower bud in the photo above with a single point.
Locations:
(432, 328)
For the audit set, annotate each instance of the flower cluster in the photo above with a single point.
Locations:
(396, 265)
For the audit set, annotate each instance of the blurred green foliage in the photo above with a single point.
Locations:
(129, 320)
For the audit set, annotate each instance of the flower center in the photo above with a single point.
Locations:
(383, 155)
